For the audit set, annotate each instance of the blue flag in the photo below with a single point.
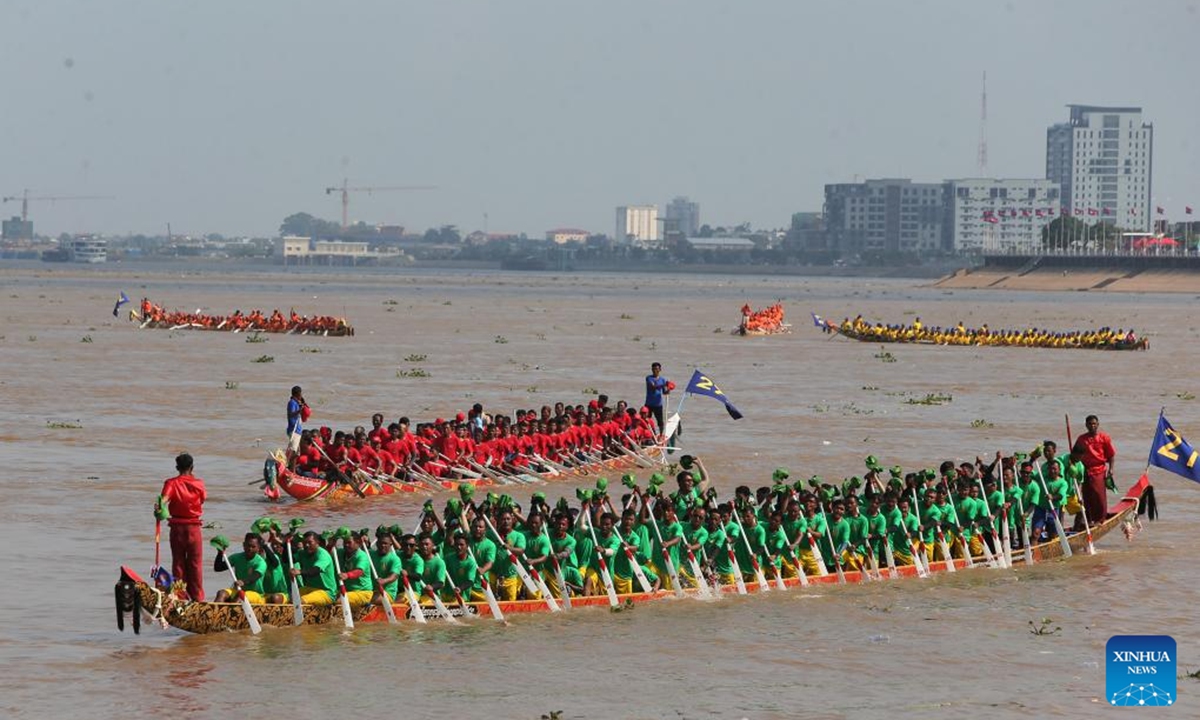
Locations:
(701, 385)
(120, 301)
(1171, 452)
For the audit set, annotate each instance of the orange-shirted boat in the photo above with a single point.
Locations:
(154, 316)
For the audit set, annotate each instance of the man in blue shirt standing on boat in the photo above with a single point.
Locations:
(297, 413)
(656, 387)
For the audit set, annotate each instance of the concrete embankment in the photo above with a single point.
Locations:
(1050, 274)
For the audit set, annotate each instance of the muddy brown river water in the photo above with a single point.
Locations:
(92, 412)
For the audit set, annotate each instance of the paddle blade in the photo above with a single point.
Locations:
(251, 618)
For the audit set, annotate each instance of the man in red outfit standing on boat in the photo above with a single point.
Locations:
(182, 500)
(1097, 453)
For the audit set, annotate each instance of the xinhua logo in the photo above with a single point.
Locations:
(1140, 670)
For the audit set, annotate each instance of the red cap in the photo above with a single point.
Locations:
(593, 405)
(460, 417)
(439, 421)
(645, 409)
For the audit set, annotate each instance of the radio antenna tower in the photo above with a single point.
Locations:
(982, 160)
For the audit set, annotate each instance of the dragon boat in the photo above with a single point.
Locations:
(1099, 339)
(164, 606)
(307, 489)
(153, 316)
(768, 321)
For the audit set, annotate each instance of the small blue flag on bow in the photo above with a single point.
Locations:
(817, 320)
(701, 384)
(121, 301)
(1171, 452)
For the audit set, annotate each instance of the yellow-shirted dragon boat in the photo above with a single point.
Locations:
(1105, 338)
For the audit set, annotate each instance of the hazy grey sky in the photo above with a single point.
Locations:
(224, 116)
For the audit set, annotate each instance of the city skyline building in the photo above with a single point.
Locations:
(637, 224)
(1102, 159)
(686, 215)
(889, 215)
(999, 214)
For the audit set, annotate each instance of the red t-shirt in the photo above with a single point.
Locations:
(1097, 450)
(185, 496)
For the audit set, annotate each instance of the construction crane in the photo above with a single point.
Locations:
(25, 198)
(345, 190)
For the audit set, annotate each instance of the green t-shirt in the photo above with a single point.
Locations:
(622, 566)
(243, 566)
(434, 572)
(902, 529)
(775, 545)
(796, 529)
(322, 561)
(840, 530)
(388, 565)
(610, 546)
(860, 527)
(730, 538)
(565, 544)
(876, 530)
(714, 548)
(357, 561)
(464, 574)
(276, 580)
(757, 536)
(504, 567)
(539, 546)
(669, 531)
(1032, 495)
(484, 551)
(1057, 488)
(414, 568)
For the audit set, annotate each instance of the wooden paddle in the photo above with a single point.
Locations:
(1025, 532)
(387, 599)
(604, 574)
(347, 614)
(526, 578)
(672, 572)
(837, 556)
(297, 607)
(414, 606)
(1087, 526)
(1058, 527)
(247, 610)
(487, 589)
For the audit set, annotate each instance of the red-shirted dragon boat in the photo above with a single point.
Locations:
(164, 608)
(305, 488)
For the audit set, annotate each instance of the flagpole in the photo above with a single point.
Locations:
(1161, 411)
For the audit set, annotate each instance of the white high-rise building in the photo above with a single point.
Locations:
(994, 215)
(637, 224)
(1103, 161)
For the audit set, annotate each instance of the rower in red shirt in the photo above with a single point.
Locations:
(182, 500)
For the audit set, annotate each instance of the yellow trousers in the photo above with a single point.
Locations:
(315, 596)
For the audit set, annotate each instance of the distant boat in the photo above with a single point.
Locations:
(89, 250)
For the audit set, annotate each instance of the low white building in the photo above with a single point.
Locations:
(997, 215)
(304, 250)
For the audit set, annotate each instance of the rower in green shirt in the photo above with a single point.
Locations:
(412, 565)
(608, 545)
(249, 567)
(564, 544)
(623, 573)
(433, 571)
(314, 571)
(462, 573)
(387, 565)
(903, 530)
(695, 537)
